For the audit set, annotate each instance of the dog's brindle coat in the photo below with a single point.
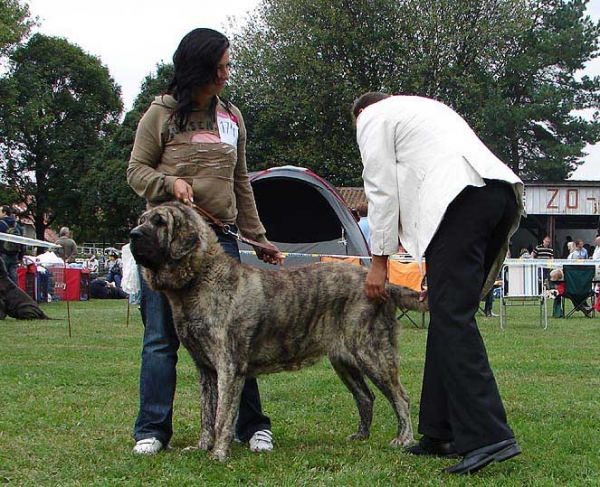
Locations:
(15, 302)
(239, 321)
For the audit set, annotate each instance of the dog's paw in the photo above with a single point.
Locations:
(402, 442)
(205, 443)
(220, 455)
(358, 436)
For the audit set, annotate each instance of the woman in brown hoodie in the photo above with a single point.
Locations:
(191, 146)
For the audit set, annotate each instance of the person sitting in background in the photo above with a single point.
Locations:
(578, 252)
(566, 251)
(115, 269)
(557, 288)
(91, 263)
(571, 250)
(68, 247)
(102, 289)
(524, 254)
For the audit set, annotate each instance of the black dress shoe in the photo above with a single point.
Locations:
(477, 459)
(434, 447)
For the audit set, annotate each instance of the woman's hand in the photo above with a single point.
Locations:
(271, 255)
(183, 191)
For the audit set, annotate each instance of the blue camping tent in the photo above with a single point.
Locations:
(304, 214)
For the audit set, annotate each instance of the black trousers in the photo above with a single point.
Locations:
(460, 400)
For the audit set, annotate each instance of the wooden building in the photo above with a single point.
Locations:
(556, 209)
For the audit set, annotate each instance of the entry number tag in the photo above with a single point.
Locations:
(228, 129)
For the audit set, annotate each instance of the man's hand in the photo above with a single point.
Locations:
(376, 279)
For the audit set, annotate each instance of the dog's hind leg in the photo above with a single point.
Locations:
(354, 380)
(208, 399)
(230, 387)
(381, 367)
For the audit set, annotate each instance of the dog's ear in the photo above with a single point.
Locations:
(182, 245)
(183, 239)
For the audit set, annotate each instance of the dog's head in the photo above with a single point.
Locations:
(170, 242)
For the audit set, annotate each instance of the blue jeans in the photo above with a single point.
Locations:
(116, 278)
(158, 375)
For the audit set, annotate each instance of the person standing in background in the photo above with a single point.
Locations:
(363, 222)
(543, 251)
(10, 252)
(68, 247)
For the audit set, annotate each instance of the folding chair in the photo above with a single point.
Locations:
(524, 284)
(410, 275)
(578, 288)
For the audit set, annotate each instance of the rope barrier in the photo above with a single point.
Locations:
(550, 263)
(300, 254)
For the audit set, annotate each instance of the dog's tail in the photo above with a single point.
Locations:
(407, 298)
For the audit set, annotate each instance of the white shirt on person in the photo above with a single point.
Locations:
(418, 155)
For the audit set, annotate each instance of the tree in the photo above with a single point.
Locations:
(111, 203)
(299, 66)
(508, 66)
(58, 105)
(15, 24)
(532, 119)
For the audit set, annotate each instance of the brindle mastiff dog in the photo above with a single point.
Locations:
(239, 321)
(15, 302)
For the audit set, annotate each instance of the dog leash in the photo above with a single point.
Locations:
(226, 229)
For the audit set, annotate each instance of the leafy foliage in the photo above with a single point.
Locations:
(299, 65)
(59, 104)
(113, 204)
(15, 24)
(509, 67)
(532, 118)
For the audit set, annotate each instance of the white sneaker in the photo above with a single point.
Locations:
(148, 446)
(261, 441)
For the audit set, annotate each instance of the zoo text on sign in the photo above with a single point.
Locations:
(563, 200)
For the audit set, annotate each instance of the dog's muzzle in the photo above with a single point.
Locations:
(145, 248)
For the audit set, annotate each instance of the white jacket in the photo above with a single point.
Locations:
(418, 155)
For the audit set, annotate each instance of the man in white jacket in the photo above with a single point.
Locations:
(433, 185)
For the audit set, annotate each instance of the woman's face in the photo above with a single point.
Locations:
(216, 86)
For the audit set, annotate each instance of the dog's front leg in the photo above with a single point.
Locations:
(228, 404)
(208, 400)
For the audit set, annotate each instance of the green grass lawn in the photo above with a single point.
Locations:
(67, 407)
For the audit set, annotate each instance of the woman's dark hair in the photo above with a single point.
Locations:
(367, 99)
(194, 64)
